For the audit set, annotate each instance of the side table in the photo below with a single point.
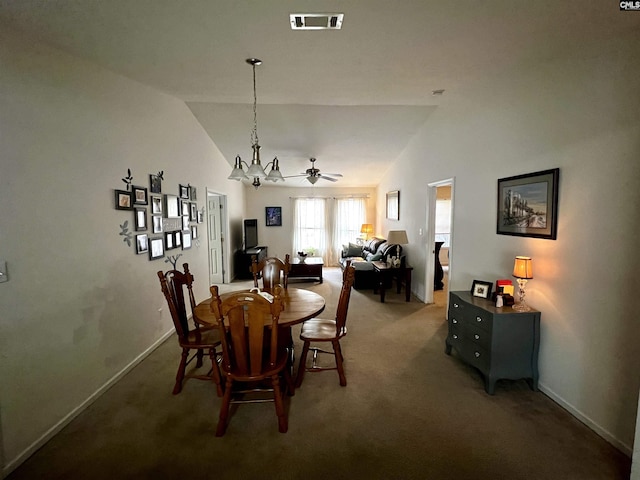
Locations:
(386, 274)
(310, 267)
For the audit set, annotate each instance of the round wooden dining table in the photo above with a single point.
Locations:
(299, 305)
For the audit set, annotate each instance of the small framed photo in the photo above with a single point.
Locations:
(194, 231)
(273, 216)
(186, 239)
(200, 216)
(193, 214)
(141, 219)
(481, 289)
(194, 197)
(157, 224)
(156, 204)
(393, 205)
(155, 182)
(171, 206)
(185, 208)
(124, 200)
(185, 223)
(169, 240)
(184, 191)
(142, 243)
(156, 248)
(177, 238)
(528, 205)
(139, 195)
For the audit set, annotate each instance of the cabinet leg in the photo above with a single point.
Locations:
(447, 348)
(490, 384)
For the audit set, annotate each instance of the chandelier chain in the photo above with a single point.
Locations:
(254, 133)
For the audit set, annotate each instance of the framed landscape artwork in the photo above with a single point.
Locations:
(528, 205)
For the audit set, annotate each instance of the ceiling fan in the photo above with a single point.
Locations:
(313, 174)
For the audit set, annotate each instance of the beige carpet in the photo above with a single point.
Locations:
(409, 412)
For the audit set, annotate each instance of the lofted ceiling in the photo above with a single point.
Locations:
(352, 98)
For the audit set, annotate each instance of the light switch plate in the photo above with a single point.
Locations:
(4, 275)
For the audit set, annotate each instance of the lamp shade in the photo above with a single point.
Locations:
(397, 236)
(366, 228)
(523, 268)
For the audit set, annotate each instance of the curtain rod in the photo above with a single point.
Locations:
(356, 195)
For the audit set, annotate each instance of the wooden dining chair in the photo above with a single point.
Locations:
(251, 356)
(273, 271)
(319, 330)
(193, 341)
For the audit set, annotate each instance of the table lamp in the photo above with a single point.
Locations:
(398, 237)
(522, 271)
(366, 229)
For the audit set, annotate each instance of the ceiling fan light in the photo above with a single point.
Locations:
(312, 180)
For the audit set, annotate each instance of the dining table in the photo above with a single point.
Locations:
(299, 305)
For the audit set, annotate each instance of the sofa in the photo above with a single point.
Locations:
(361, 257)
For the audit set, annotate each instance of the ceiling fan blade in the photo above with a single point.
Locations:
(333, 174)
(328, 178)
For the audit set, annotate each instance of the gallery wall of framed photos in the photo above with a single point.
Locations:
(161, 221)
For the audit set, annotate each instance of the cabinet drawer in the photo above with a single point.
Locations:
(478, 318)
(476, 356)
(478, 336)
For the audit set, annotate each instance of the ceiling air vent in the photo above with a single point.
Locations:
(316, 21)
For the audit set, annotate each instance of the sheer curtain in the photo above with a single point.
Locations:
(310, 226)
(350, 214)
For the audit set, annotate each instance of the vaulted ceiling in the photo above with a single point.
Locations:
(353, 98)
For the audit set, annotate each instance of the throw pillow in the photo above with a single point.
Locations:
(376, 257)
(354, 250)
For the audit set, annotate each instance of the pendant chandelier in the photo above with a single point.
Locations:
(255, 170)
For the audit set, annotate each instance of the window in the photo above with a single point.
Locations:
(309, 226)
(321, 226)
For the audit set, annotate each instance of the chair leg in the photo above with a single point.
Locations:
(291, 389)
(215, 372)
(199, 356)
(277, 397)
(180, 375)
(339, 362)
(224, 409)
(303, 364)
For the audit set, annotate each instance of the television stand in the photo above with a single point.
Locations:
(243, 261)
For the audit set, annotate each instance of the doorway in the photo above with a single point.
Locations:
(216, 238)
(438, 271)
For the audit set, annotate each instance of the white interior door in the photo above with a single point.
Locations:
(215, 237)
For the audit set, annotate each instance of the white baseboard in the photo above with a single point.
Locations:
(30, 450)
(626, 449)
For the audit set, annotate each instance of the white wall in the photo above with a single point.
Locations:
(279, 239)
(582, 116)
(80, 305)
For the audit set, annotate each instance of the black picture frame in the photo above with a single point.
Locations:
(140, 195)
(140, 219)
(142, 243)
(169, 243)
(186, 239)
(177, 238)
(155, 183)
(193, 213)
(528, 205)
(481, 289)
(156, 204)
(273, 216)
(184, 191)
(172, 206)
(194, 232)
(156, 248)
(193, 192)
(124, 200)
(156, 224)
(393, 205)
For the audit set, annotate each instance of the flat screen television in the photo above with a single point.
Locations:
(250, 233)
